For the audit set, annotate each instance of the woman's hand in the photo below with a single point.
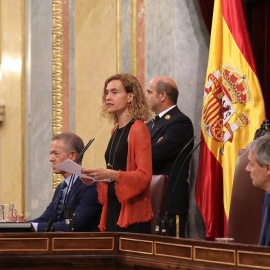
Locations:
(99, 174)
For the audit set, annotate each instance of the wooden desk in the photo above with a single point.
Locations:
(113, 251)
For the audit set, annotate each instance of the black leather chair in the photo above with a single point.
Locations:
(157, 186)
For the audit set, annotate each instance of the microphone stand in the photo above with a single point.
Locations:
(159, 218)
(166, 222)
(70, 217)
(49, 227)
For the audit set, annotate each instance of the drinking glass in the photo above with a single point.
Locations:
(8, 213)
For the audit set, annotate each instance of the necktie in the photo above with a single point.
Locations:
(155, 120)
(61, 201)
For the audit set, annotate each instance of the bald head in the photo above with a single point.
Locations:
(163, 79)
(162, 93)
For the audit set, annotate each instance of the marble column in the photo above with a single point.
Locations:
(38, 106)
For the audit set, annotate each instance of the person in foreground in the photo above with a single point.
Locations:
(259, 168)
(126, 196)
(170, 132)
(82, 199)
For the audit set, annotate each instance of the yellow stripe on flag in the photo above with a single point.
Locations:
(233, 108)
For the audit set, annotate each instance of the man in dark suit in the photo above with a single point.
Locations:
(82, 200)
(170, 132)
(259, 168)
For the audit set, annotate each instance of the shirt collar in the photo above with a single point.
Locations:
(164, 112)
(67, 180)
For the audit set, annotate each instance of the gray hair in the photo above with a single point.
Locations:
(261, 149)
(71, 141)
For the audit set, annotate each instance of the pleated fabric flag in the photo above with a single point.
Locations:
(233, 108)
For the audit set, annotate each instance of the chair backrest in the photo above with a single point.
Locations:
(157, 186)
(244, 223)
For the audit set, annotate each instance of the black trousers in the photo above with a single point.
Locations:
(177, 225)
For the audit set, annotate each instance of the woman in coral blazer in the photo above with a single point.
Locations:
(126, 195)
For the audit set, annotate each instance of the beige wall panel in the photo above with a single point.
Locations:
(95, 61)
(11, 132)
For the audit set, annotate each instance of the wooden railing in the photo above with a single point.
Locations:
(56, 250)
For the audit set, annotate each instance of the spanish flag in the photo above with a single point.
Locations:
(233, 109)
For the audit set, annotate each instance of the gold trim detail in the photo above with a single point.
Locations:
(214, 249)
(25, 239)
(134, 36)
(22, 101)
(173, 256)
(1, 31)
(82, 239)
(57, 46)
(252, 253)
(135, 240)
(177, 220)
(118, 36)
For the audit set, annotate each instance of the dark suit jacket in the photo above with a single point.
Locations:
(83, 201)
(265, 229)
(176, 129)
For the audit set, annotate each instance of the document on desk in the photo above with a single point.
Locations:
(72, 167)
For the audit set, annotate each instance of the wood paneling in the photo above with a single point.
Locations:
(124, 251)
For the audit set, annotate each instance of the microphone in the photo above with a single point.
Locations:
(79, 158)
(158, 223)
(49, 227)
(159, 218)
(167, 223)
(183, 149)
(69, 216)
(189, 154)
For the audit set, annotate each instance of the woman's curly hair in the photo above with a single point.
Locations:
(139, 107)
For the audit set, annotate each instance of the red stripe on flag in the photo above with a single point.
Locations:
(234, 16)
(209, 194)
(212, 102)
(212, 115)
(213, 119)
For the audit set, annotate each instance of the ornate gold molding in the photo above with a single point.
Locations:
(22, 100)
(134, 37)
(2, 110)
(57, 46)
(118, 36)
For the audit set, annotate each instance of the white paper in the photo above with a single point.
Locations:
(72, 167)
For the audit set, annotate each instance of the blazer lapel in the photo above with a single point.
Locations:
(166, 118)
(57, 196)
(157, 126)
(74, 188)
